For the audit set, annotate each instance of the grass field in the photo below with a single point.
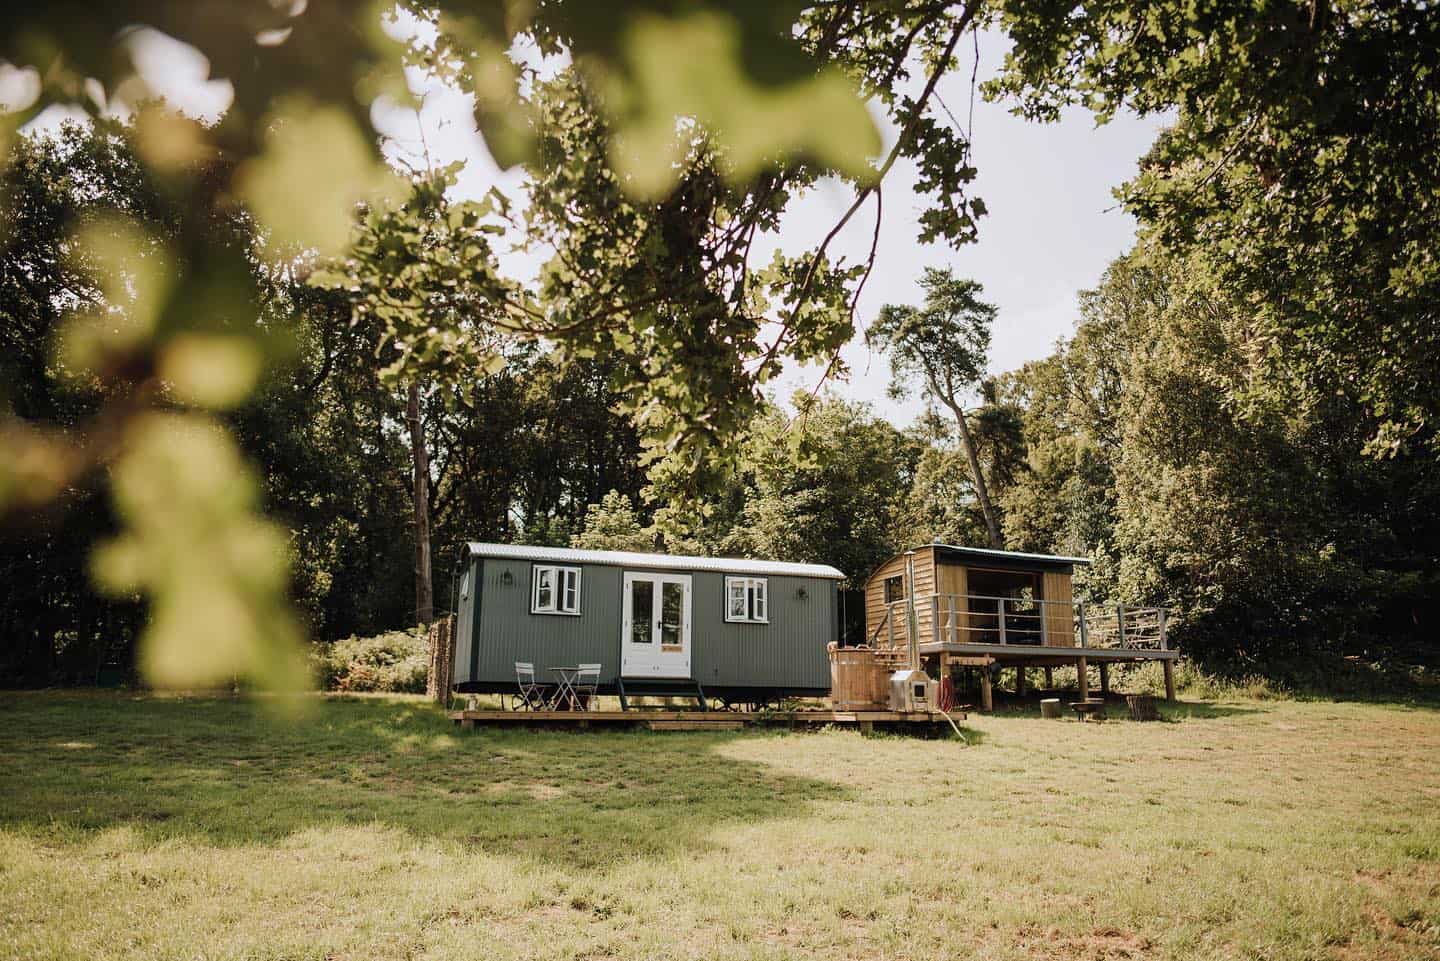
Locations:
(200, 828)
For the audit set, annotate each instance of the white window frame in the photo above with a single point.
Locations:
(564, 590)
(757, 600)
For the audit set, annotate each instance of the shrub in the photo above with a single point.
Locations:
(396, 661)
(1194, 682)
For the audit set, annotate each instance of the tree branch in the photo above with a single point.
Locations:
(901, 143)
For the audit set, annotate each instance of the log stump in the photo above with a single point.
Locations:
(1142, 707)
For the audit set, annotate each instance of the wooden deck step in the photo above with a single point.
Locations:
(696, 725)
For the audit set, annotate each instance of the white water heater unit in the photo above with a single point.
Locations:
(912, 690)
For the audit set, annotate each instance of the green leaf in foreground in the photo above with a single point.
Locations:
(692, 67)
(193, 543)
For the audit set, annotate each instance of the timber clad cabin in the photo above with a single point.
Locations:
(744, 631)
(975, 607)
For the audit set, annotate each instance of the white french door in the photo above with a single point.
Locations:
(655, 626)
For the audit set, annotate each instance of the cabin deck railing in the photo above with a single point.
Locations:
(1026, 621)
(1127, 626)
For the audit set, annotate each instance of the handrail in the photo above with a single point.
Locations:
(1027, 621)
(879, 627)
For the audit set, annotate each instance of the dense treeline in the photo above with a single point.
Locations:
(539, 443)
(1161, 440)
(1160, 443)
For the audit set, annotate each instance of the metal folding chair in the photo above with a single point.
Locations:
(587, 684)
(531, 694)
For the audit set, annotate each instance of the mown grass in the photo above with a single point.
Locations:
(136, 827)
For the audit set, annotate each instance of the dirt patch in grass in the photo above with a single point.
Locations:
(1400, 911)
(1101, 944)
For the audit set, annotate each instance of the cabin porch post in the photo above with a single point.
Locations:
(1019, 680)
(987, 696)
(1168, 666)
(1049, 678)
(1104, 679)
(1082, 670)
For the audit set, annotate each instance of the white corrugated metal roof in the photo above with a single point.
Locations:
(1017, 555)
(674, 562)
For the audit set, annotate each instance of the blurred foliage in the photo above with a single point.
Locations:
(94, 344)
(192, 543)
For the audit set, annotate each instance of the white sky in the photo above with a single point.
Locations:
(1052, 225)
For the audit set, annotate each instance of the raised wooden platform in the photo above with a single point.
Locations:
(1037, 655)
(1020, 656)
(918, 721)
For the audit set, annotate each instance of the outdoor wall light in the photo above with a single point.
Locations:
(801, 594)
(507, 578)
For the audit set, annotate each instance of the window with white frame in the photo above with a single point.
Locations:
(747, 600)
(554, 590)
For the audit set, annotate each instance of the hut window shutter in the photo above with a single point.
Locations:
(570, 593)
(556, 590)
(746, 600)
(735, 605)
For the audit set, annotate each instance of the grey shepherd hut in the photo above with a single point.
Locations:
(740, 630)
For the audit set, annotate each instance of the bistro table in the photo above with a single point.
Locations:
(565, 698)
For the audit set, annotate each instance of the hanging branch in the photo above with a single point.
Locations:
(901, 143)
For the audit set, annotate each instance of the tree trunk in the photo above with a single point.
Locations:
(982, 489)
(420, 458)
(100, 623)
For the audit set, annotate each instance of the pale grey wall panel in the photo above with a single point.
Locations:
(509, 632)
(789, 651)
(465, 623)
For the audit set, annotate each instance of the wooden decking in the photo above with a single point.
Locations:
(1020, 656)
(918, 721)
